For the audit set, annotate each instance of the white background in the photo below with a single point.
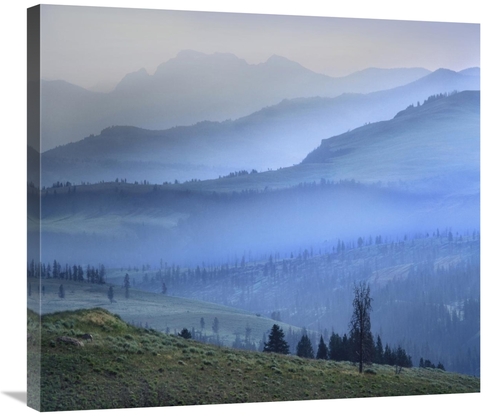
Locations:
(13, 202)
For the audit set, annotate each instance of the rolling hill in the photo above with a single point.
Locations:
(419, 169)
(152, 310)
(273, 137)
(437, 139)
(129, 367)
(408, 176)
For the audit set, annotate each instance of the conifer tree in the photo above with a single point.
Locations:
(61, 291)
(185, 334)
(215, 325)
(304, 347)
(126, 283)
(379, 351)
(276, 342)
(389, 356)
(101, 273)
(111, 294)
(322, 353)
(335, 347)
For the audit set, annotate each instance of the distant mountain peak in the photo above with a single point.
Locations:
(191, 58)
(278, 60)
(447, 77)
(473, 71)
(444, 71)
(137, 74)
(132, 78)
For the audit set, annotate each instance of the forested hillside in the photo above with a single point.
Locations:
(425, 290)
(393, 203)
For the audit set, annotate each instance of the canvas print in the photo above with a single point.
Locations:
(239, 208)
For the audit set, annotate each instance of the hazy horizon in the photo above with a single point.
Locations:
(101, 45)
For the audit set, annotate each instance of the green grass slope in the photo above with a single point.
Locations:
(130, 367)
(155, 310)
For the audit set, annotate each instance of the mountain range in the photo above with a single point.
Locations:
(230, 176)
(194, 87)
(270, 138)
(417, 171)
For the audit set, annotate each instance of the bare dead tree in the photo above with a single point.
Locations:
(360, 325)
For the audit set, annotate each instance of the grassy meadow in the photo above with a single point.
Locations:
(152, 310)
(125, 366)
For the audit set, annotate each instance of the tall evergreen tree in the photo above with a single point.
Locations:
(126, 283)
(379, 351)
(389, 356)
(80, 273)
(101, 274)
(62, 294)
(248, 332)
(276, 342)
(304, 347)
(347, 349)
(322, 353)
(215, 325)
(335, 347)
(402, 359)
(111, 294)
(55, 270)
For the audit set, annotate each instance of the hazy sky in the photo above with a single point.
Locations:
(96, 47)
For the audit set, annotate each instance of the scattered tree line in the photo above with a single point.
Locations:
(427, 364)
(431, 304)
(202, 336)
(430, 99)
(239, 173)
(357, 347)
(91, 274)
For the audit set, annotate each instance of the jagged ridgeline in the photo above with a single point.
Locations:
(193, 87)
(278, 135)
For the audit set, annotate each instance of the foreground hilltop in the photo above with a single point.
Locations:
(126, 366)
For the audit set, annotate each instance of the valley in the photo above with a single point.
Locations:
(218, 214)
(274, 137)
(363, 206)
